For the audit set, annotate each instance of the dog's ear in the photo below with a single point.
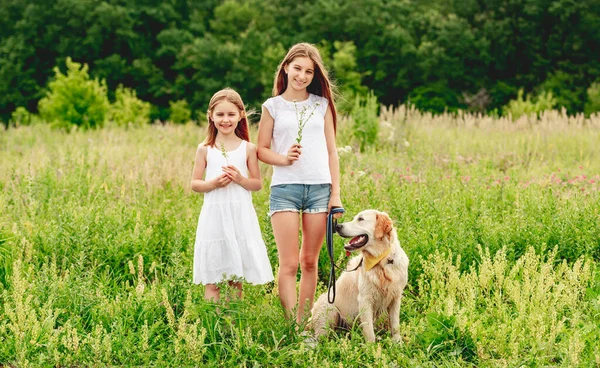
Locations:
(383, 225)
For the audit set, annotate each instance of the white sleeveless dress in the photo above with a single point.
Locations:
(229, 242)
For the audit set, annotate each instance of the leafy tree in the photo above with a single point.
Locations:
(435, 97)
(567, 89)
(593, 99)
(345, 76)
(183, 49)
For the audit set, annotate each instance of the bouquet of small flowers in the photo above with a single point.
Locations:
(302, 118)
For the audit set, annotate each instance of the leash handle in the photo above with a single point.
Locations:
(331, 223)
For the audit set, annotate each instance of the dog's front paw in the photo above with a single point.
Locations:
(309, 339)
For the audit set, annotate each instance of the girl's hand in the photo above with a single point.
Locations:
(335, 201)
(233, 174)
(293, 154)
(221, 181)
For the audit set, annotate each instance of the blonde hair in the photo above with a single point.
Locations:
(320, 85)
(226, 94)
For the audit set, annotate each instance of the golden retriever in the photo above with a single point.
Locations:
(375, 287)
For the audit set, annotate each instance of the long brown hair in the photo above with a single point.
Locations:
(320, 85)
(232, 96)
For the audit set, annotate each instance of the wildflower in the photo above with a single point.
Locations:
(224, 152)
(343, 150)
(302, 118)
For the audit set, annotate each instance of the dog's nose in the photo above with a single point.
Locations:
(338, 227)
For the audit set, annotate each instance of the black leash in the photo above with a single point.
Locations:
(331, 223)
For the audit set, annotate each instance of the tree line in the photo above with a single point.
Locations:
(437, 54)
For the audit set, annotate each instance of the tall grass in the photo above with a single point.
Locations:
(500, 220)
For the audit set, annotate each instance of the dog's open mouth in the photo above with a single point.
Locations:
(357, 242)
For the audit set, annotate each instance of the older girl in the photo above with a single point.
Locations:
(297, 136)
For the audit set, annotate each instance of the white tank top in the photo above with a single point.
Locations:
(313, 165)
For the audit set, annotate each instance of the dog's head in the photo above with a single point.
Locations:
(368, 228)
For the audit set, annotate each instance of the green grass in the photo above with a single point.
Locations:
(501, 222)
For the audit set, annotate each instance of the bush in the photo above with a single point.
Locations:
(528, 106)
(74, 100)
(180, 112)
(366, 121)
(593, 99)
(128, 109)
(20, 117)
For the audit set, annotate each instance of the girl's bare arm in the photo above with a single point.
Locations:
(334, 162)
(265, 134)
(198, 183)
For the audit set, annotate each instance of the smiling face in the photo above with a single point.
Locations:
(300, 72)
(368, 228)
(225, 115)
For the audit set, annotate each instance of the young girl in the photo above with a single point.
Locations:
(297, 136)
(229, 244)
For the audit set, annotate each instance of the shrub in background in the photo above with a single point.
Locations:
(366, 120)
(180, 112)
(593, 99)
(20, 117)
(528, 106)
(73, 100)
(128, 109)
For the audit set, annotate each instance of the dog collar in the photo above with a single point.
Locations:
(371, 261)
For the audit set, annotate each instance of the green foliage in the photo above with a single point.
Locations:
(502, 92)
(20, 117)
(592, 104)
(516, 108)
(567, 90)
(6, 259)
(180, 112)
(500, 225)
(232, 17)
(128, 109)
(437, 98)
(365, 127)
(73, 100)
(516, 298)
(431, 52)
(346, 75)
(443, 337)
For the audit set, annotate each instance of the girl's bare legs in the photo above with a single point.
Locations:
(285, 229)
(313, 232)
(211, 292)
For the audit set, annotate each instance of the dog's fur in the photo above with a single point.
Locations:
(366, 294)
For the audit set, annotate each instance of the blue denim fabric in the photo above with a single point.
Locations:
(305, 198)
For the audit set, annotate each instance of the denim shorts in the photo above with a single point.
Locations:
(305, 198)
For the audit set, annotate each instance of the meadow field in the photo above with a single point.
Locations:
(500, 220)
